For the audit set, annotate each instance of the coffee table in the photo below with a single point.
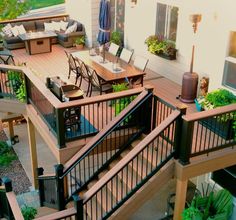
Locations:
(38, 42)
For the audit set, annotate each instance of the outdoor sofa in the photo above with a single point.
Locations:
(38, 24)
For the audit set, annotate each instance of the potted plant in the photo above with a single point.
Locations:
(80, 42)
(223, 126)
(28, 212)
(212, 206)
(115, 38)
(161, 47)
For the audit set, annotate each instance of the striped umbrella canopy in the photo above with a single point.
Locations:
(104, 22)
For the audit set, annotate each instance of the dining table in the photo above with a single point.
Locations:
(113, 70)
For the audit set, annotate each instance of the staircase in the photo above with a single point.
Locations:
(129, 157)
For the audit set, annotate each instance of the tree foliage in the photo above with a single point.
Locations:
(11, 9)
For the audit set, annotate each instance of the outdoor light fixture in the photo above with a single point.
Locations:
(133, 3)
(190, 79)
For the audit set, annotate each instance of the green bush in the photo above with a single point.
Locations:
(116, 38)
(6, 154)
(28, 212)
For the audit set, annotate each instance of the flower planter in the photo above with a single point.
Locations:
(79, 46)
(167, 57)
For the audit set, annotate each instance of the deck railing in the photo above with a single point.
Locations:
(208, 131)
(90, 115)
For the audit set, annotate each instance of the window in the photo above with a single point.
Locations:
(118, 15)
(229, 76)
(167, 20)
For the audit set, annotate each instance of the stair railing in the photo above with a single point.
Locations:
(132, 172)
(108, 144)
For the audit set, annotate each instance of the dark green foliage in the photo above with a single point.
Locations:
(80, 40)
(116, 38)
(209, 207)
(6, 154)
(28, 212)
(17, 82)
(220, 97)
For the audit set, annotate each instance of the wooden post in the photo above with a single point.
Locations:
(33, 152)
(178, 130)
(180, 198)
(60, 186)
(11, 129)
(78, 202)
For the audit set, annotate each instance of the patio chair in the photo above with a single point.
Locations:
(126, 55)
(140, 63)
(74, 66)
(113, 49)
(97, 82)
(85, 75)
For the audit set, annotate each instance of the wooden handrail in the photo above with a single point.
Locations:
(105, 97)
(132, 154)
(14, 206)
(108, 127)
(209, 113)
(33, 18)
(59, 215)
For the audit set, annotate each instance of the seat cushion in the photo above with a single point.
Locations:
(62, 37)
(12, 40)
(29, 26)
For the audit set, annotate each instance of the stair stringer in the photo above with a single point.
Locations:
(145, 193)
(13, 106)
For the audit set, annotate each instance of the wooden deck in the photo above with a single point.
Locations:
(55, 64)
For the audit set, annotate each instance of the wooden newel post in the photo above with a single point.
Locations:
(8, 188)
(60, 186)
(147, 112)
(40, 171)
(178, 130)
(78, 202)
(186, 142)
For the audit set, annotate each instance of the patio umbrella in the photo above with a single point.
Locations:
(104, 24)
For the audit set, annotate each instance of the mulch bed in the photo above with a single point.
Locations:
(16, 173)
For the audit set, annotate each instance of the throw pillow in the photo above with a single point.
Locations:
(64, 25)
(15, 31)
(7, 30)
(48, 27)
(21, 29)
(71, 29)
(56, 26)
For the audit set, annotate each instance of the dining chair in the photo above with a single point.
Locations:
(113, 49)
(85, 75)
(74, 66)
(126, 55)
(97, 82)
(140, 62)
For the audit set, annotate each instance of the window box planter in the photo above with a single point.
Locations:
(168, 57)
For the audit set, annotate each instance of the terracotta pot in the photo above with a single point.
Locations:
(79, 46)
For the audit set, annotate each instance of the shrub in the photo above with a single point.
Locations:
(28, 212)
(6, 154)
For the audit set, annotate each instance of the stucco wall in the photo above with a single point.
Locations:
(218, 19)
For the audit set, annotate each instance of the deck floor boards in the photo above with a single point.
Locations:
(55, 64)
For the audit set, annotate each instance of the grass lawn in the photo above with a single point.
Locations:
(44, 3)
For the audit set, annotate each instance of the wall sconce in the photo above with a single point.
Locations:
(133, 3)
(195, 19)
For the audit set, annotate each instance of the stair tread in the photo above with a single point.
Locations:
(42, 211)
